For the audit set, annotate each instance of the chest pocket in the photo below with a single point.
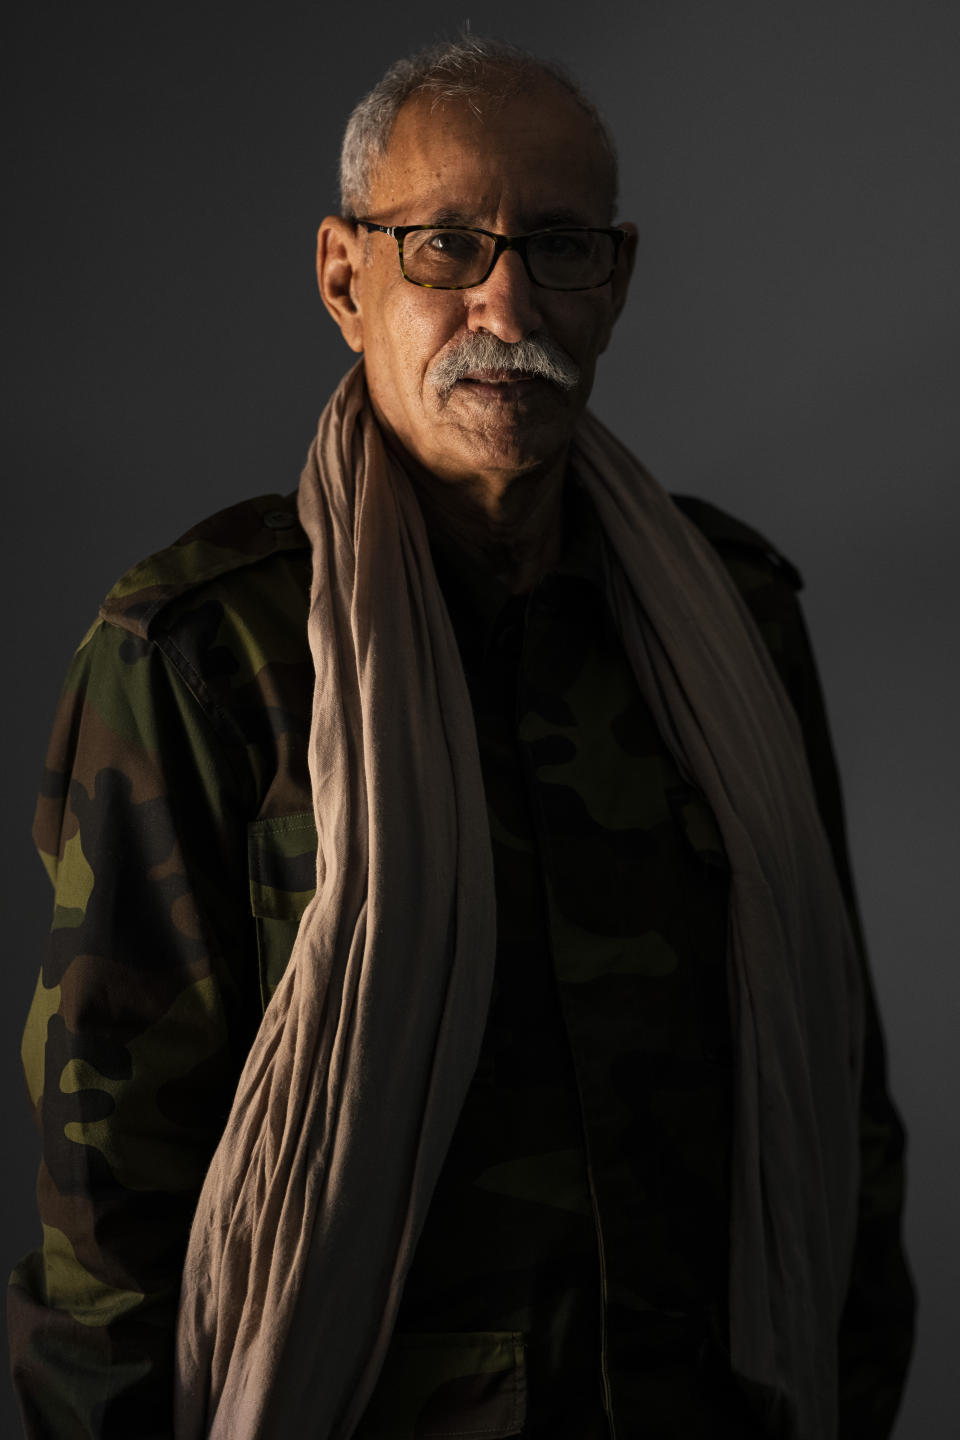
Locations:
(469, 1384)
(282, 865)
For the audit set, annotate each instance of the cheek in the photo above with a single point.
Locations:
(413, 329)
(580, 324)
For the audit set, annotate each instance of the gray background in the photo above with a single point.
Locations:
(789, 351)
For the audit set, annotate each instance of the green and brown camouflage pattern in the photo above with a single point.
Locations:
(590, 1160)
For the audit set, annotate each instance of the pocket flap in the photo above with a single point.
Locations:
(282, 860)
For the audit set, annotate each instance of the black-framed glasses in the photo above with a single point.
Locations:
(457, 257)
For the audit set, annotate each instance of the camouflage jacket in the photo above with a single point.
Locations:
(570, 1278)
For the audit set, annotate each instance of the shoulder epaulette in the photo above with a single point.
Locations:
(724, 531)
(240, 535)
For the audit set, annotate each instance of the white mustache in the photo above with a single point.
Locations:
(538, 356)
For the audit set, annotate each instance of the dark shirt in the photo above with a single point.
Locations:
(584, 1199)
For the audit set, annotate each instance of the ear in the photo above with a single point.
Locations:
(339, 256)
(620, 283)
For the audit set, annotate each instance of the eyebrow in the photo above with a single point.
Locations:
(562, 216)
(545, 220)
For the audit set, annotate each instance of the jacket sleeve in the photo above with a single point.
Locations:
(135, 1037)
(876, 1331)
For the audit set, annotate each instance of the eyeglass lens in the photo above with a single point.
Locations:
(558, 259)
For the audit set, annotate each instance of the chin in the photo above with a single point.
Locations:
(494, 449)
(518, 442)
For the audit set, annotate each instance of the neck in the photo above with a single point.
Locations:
(513, 525)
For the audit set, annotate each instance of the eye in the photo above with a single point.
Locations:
(564, 244)
(458, 246)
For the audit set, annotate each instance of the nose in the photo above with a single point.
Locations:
(506, 303)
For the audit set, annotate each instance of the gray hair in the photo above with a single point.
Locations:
(471, 69)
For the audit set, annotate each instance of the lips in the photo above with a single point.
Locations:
(498, 379)
(510, 390)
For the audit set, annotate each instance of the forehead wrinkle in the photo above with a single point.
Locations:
(448, 168)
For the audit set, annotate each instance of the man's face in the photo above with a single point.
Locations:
(530, 163)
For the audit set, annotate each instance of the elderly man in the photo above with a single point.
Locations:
(454, 998)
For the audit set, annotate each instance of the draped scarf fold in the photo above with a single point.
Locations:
(316, 1195)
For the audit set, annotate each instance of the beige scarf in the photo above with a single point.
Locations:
(317, 1193)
